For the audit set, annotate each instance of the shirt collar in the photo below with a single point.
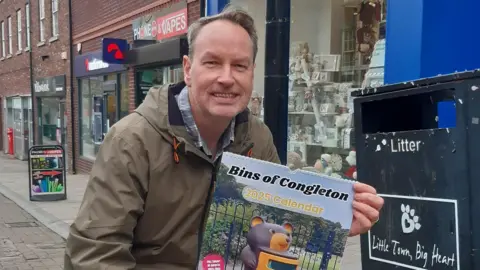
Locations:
(186, 112)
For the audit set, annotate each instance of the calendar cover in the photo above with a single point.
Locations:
(265, 216)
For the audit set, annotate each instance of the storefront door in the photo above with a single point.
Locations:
(52, 122)
(62, 129)
(18, 128)
(49, 120)
(26, 125)
(109, 113)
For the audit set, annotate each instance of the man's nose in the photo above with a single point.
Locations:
(226, 76)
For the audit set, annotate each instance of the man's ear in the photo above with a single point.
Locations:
(187, 68)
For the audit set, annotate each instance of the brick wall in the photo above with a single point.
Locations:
(110, 18)
(14, 69)
(47, 55)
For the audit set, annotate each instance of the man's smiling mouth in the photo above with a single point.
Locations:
(225, 95)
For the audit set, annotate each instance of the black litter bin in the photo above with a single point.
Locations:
(418, 144)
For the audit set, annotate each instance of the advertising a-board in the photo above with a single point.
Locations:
(47, 173)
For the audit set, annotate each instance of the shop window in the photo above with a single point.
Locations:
(124, 95)
(49, 114)
(8, 116)
(335, 48)
(103, 101)
(146, 78)
(257, 9)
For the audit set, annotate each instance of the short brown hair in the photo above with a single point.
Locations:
(231, 13)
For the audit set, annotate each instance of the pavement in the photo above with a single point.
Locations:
(26, 244)
(58, 215)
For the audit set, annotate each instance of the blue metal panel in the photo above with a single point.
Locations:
(430, 37)
(402, 44)
(215, 6)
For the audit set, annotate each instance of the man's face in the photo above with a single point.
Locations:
(220, 75)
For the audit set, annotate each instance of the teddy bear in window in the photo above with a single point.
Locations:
(302, 59)
(351, 159)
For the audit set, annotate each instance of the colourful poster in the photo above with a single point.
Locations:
(47, 171)
(265, 216)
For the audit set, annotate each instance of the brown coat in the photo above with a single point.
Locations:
(150, 189)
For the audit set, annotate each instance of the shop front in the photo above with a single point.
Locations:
(159, 45)
(334, 48)
(17, 119)
(103, 99)
(51, 114)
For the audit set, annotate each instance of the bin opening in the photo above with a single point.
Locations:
(430, 110)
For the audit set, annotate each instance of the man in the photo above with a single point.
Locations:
(146, 202)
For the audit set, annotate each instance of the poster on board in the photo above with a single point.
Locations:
(47, 179)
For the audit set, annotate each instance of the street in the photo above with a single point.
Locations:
(25, 243)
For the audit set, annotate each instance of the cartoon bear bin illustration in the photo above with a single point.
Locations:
(268, 246)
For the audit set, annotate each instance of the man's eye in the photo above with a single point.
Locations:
(241, 67)
(210, 63)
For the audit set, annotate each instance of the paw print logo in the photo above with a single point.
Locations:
(409, 219)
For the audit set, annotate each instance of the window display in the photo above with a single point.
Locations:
(326, 65)
(320, 122)
(336, 47)
(102, 105)
(156, 76)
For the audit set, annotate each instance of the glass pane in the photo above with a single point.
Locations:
(333, 45)
(157, 76)
(257, 9)
(50, 115)
(110, 116)
(86, 141)
(124, 95)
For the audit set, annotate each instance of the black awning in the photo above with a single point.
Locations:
(167, 51)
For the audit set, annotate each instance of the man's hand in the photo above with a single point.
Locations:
(366, 208)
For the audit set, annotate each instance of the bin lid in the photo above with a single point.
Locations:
(417, 83)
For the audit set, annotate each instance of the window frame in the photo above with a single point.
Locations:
(27, 26)
(41, 19)
(55, 26)
(4, 48)
(19, 29)
(10, 35)
(80, 95)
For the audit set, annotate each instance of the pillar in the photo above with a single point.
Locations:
(277, 44)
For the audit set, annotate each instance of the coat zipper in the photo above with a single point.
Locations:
(213, 179)
(205, 212)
